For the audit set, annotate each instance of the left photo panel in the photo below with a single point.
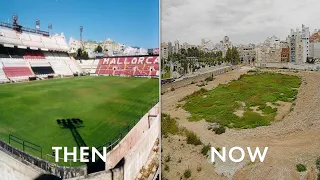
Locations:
(79, 90)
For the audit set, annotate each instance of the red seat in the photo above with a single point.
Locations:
(34, 55)
(17, 71)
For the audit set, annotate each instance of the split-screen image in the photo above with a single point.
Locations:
(160, 90)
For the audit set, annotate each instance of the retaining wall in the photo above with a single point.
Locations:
(135, 147)
(11, 168)
(32, 161)
(187, 81)
(313, 67)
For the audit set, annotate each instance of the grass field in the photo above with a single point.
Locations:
(106, 105)
(219, 104)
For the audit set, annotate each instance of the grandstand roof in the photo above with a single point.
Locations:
(16, 35)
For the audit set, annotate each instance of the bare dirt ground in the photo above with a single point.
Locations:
(293, 138)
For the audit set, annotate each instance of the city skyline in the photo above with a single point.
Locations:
(245, 21)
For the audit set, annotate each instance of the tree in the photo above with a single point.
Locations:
(84, 55)
(183, 51)
(228, 57)
(79, 52)
(98, 49)
(235, 55)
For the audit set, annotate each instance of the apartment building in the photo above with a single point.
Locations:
(299, 45)
(164, 51)
(285, 52)
(314, 47)
(247, 53)
(270, 50)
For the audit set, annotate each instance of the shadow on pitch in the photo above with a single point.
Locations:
(73, 124)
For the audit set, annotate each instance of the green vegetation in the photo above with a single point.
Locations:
(318, 164)
(166, 75)
(205, 149)
(220, 103)
(219, 130)
(82, 54)
(301, 167)
(106, 105)
(168, 125)
(187, 173)
(98, 49)
(192, 138)
(232, 55)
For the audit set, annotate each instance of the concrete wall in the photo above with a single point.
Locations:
(32, 161)
(115, 174)
(187, 81)
(136, 146)
(11, 168)
(138, 155)
(313, 67)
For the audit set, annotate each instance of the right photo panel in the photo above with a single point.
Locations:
(240, 89)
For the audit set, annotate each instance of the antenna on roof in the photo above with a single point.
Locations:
(15, 19)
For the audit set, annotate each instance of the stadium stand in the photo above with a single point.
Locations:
(34, 43)
(28, 54)
(50, 43)
(88, 66)
(16, 69)
(129, 66)
(9, 37)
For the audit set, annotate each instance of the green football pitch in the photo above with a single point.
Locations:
(105, 104)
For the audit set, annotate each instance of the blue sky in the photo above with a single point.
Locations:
(134, 23)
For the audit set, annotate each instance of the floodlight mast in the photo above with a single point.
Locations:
(81, 29)
(49, 28)
(38, 24)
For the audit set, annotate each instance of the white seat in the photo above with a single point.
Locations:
(60, 67)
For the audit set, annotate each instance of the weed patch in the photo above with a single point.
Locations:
(253, 90)
(301, 167)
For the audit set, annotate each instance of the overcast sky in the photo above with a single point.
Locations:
(244, 21)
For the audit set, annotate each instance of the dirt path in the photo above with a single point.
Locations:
(295, 139)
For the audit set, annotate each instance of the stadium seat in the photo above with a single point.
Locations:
(23, 72)
(35, 41)
(9, 37)
(60, 67)
(3, 77)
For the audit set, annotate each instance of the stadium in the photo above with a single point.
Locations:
(49, 98)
